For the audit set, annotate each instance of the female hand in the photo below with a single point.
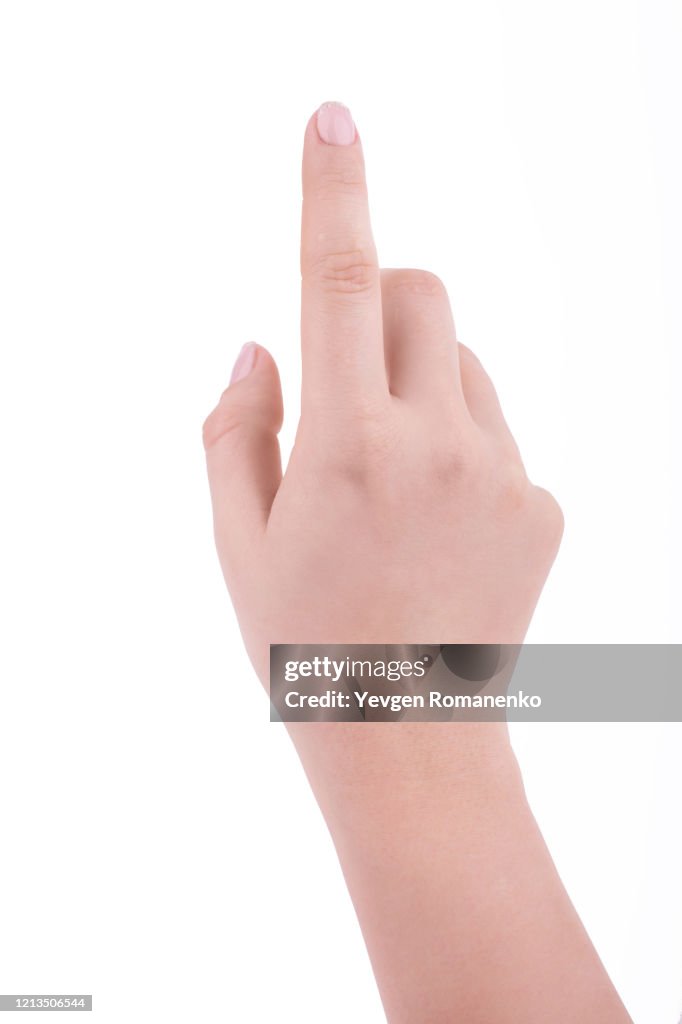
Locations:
(405, 514)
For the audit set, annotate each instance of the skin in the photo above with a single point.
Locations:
(404, 516)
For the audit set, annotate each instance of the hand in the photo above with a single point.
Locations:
(405, 514)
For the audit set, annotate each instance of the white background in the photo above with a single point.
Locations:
(158, 844)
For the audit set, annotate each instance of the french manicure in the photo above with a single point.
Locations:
(335, 124)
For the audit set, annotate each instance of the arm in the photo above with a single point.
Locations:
(404, 515)
(463, 913)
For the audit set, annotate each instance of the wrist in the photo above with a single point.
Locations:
(371, 780)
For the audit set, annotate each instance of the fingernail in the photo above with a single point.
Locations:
(245, 362)
(335, 124)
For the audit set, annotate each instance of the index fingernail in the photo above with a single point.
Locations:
(335, 124)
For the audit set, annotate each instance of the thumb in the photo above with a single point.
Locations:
(242, 453)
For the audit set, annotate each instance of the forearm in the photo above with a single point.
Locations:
(462, 910)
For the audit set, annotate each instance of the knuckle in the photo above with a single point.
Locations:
(550, 516)
(352, 272)
(513, 487)
(417, 282)
(339, 181)
(464, 458)
(225, 420)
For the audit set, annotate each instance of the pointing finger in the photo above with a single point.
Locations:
(342, 338)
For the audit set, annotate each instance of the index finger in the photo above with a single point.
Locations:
(341, 329)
